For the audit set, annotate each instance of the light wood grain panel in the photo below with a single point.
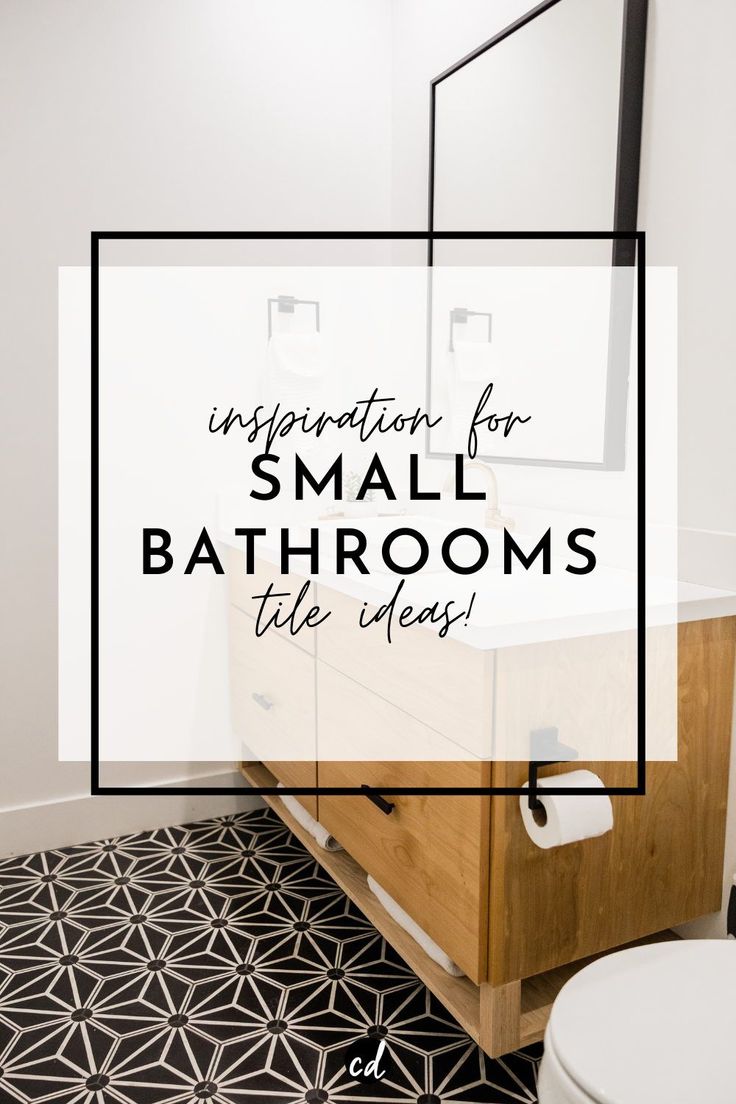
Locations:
(431, 853)
(270, 670)
(243, 587)
(500, 1017)
(586, 687)
(356, 723)
(661, 865)
(442, 682)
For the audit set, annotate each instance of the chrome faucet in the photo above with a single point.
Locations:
(493, 518)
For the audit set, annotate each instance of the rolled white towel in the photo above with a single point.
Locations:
(412, 928)
(315, 829)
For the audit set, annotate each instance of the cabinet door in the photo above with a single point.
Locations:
(445, 684)
(430, 853)
(273, 704)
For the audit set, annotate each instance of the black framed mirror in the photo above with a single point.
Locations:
(539, 130)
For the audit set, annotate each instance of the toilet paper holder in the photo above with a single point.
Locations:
(545, 750)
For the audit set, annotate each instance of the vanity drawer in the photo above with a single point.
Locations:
(273, 703)
(442, 682)
(431, 854)
(243, 587)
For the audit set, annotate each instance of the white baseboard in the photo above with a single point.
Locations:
(82, 819)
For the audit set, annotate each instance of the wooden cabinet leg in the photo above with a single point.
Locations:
(500, 1018)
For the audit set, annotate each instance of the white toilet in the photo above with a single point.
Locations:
(648, 1025)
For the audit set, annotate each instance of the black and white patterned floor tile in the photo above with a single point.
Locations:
(215, 962)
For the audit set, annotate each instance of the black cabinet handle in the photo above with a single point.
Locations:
(263, 701)
(380, 802)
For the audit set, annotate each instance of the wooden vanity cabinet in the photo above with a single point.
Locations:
(512, 916)
(430, 853)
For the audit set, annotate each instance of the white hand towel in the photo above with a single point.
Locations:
(470, 370)
(472, 361)
(297, 354)
(296, 379)
(412, 928)
(300, 814)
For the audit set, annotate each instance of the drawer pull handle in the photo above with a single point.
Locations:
(263, 701)
(380, 802)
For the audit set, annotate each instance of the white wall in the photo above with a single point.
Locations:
(134, 114)
(428, 36)
(687, 209)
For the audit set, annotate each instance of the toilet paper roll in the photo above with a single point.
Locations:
(569, 818)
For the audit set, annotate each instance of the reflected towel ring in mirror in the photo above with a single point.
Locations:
(459, 317)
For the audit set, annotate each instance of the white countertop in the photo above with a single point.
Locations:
(523, 607)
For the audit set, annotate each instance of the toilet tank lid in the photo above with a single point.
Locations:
(652, 1023)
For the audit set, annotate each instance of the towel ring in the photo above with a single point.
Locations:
(460, 315)
(285, 304)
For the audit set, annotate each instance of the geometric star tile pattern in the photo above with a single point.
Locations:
(215, 962)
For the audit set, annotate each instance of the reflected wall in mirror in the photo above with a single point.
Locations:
(539, 129)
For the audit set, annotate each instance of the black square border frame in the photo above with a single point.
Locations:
(96, 236)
